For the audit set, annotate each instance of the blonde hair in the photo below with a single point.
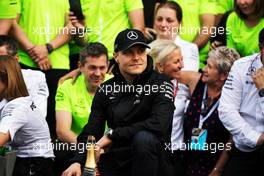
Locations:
(224, 58)
(11, 76)
(160, 49)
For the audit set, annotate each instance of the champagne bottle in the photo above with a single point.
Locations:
(90, 164)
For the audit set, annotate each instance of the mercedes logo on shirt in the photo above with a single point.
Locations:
(132, 35)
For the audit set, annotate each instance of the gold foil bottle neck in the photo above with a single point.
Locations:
(90, 164)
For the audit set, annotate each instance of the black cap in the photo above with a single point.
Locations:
(128, 38)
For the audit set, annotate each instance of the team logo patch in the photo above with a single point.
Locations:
(132, 35)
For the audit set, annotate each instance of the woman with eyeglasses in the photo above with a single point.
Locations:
(22, 124)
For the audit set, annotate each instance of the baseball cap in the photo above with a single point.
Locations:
(128, 38)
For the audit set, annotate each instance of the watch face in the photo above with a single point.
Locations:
(261, 93)
(49, 47)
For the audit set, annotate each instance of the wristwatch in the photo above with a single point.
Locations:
(261, 92)
(49, 47)
(109, 132)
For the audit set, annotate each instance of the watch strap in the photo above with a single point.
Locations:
(49, 47)
(261, 92)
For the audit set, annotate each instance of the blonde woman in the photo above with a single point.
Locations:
(168, 59)
(203, 90)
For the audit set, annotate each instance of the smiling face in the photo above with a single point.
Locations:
(132, 61)
(246, 6)
(210, 72)
(172, 65)
(94, 70)
(166, 23)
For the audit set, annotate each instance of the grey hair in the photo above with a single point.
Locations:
(160, 49)
(224, 58)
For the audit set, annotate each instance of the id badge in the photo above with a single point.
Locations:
(198, 139)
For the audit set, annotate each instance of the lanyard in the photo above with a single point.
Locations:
(202, 119)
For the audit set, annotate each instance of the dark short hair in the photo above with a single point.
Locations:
(10, 44)
(261, 37)
(258, 10)
(92, 50)
(172, 5)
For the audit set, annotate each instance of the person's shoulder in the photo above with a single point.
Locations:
(21, 101)
(242, 65)
(184, 43)
(245, 60)
(190, 44)
(67, 84)
(107, 77)
(33, 74)
(17, 105)
(233, 18)
(164, 85)
(160, 78)
(233, 15)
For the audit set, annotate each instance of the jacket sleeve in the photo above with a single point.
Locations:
(160, 118)
(229, 107)
(95, 127)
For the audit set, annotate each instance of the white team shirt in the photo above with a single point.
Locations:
(37, 88)
(241, 109)
(190, 54)
(27, 126)
(191, 63)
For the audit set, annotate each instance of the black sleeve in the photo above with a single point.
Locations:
(221, 36)
(95, 127)
(160, 118)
